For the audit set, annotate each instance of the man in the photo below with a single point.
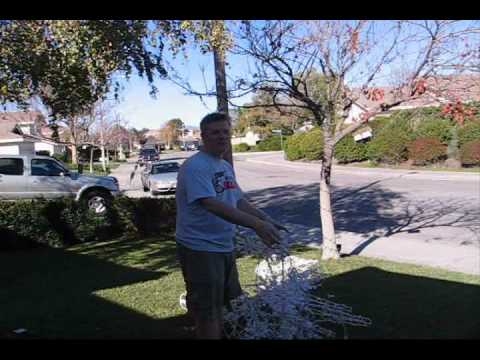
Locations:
(209, 205)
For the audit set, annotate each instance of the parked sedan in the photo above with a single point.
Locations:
(160, 177)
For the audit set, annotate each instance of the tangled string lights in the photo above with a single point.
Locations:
(282, 303)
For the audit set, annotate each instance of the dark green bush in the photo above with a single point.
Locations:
(64, 222)
(470, 153)
(469, 132)
(42, 153)
(293, 149)
(437, 128)
(390, 143)
(271, 143)
(61, 157)
(312, 144)
(307, 145)
(426, 150)
(242, 147)
(348, 150)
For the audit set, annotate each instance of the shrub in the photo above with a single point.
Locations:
(61, 157)
(62, 222)
(242, 147)
(312, 144)
(391, 142)
(307, 145)
(348, 150)
(293, 149)
(271, 143)
(440, 129)
(469, 132)
(42, 153)
(426, 150)
(470, 153)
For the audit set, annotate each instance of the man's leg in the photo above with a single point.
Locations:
(209, 328)
(204, 273)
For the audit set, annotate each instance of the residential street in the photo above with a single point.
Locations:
(421, 217)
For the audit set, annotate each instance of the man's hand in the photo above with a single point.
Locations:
(278, 226)
(267, 232)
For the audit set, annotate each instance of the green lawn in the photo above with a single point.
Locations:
(122, 289)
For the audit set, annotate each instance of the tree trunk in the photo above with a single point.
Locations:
(329, 245)
(222, 96)
(73, 148)
(103, 158)
(102, 148)
(91, 159)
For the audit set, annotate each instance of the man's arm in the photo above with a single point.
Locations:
(265, 230)
(245, 206)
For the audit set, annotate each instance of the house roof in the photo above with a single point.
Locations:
(10, 120)
(439, 90)
(22, 117)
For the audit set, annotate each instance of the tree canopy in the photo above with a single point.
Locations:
(70, 64)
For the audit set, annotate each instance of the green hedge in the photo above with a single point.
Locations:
(348, 150)
(440, 129)
(391, 141)
(271, 143)
(63, 222)
(308, 145)
(242, 147)
(469, 132)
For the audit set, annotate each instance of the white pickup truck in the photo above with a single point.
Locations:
(32, 176)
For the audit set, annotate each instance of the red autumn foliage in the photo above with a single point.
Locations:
(375, 94)
(355, 42)
(470, 153)
(420, 87)
(458, 112)
(426, 150)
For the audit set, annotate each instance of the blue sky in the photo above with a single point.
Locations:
(143, 111)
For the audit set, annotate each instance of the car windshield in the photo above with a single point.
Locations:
(165, 168)
(148, 152)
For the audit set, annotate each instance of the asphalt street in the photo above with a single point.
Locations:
(421, 217)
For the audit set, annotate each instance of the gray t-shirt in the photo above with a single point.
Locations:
(204, 176)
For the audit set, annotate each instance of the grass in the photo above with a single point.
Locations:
(130, 289)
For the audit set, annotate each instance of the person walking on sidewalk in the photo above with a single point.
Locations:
(209, 206)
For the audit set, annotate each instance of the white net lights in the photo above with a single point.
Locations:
(284, 306)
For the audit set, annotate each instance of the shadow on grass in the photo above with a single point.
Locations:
(369, 210)
(405, 306)
(52, 292)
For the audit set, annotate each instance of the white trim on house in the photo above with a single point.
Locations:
(19, 139)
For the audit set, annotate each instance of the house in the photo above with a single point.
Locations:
(191, 133)
(26, 133)
(439, 91)
(250, 137)
(306, 126)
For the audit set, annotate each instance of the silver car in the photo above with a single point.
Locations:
(32, 176)
(160, 177)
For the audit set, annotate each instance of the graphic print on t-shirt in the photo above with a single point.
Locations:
(222, 182)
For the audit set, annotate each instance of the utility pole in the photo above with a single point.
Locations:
(221, 86)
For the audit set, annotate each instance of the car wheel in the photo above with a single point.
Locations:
(98, 201)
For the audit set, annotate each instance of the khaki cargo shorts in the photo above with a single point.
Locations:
(211, 279)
